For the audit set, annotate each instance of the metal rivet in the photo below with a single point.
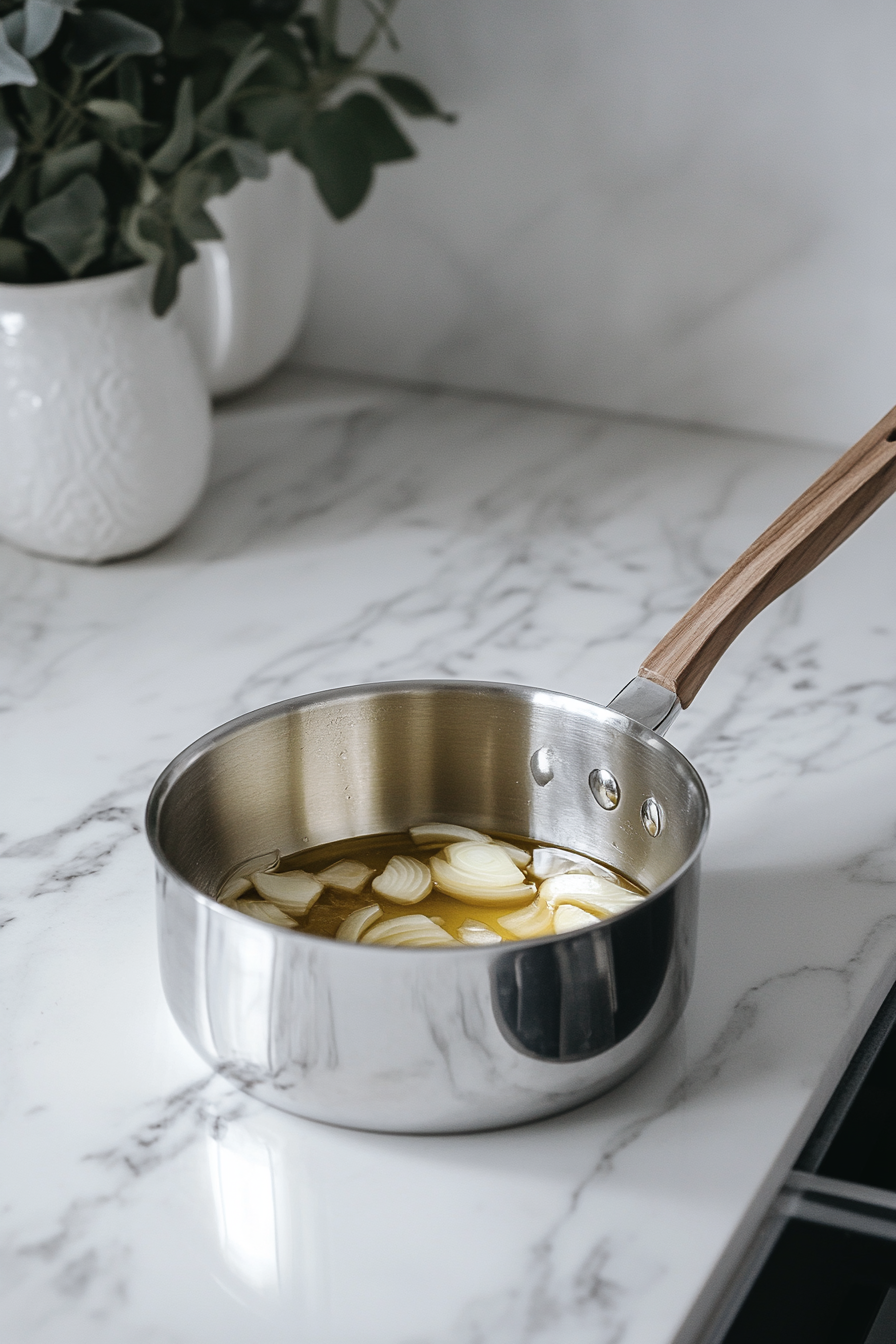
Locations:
(540, 765)
(652, 816)
(605, 789)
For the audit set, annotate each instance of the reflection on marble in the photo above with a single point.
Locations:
(676, 207)
(354, 533)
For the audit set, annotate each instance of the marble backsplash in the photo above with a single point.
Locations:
(669, 207)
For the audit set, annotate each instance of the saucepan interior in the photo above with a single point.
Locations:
(427, 1039)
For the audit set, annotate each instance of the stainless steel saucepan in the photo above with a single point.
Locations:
(430, 1040)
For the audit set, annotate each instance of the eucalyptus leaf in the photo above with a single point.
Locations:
(143, 233)
(249, 158)
(14, 27)
(411, 97)
(201, 227)
(63, 165)
(14, 69)
(13, 261)
(170, 155)
(71, 225)
(247, 62)
(178, 254)
(96, 186)
(9, 148)
(115, 111)
(372, 123)
(121, 256)
(42, 20)
(309, 25)
(272, 118)
(340, 161)
(222, 168)
(99, 34)
(192, 191)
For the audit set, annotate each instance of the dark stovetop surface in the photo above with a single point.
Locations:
(823, 1267)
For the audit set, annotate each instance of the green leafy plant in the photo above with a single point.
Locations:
(118, 124)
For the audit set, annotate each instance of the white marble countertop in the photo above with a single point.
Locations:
(354, 533)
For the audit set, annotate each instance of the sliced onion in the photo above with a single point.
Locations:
(293, 892)
(347, 875)
(404, 880)
(358, 922)
(617, 907)
(596, 869)
(443, 833)
(476, 892)
(532, 922)
(475, 934)
(232, 884)
(569, 917)
(265, 910)
(550, 862)
(521, 857)
(237, 886)
(408, 931)
(486, 862)
(583, 889)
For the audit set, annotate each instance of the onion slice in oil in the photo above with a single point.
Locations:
(475, 934)
(294, 892)
(570, 917)
(409, 931)
(239, 879)
(266, 911)
(444, 832)
(479, 874)
(236, 887)
(619, 905)
(533, 921)
(346, 875)
(475, 891)
(550, 862)
(487, 863)
(358, 922)
(521, 857)
(586, 890)
(404, 880)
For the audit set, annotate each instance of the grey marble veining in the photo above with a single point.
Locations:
(354, 533)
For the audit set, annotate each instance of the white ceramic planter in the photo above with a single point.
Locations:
(244, 301)
(105, 426)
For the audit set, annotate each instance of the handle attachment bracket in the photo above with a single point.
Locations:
(648, 703)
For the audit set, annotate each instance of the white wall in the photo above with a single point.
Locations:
(679, 207)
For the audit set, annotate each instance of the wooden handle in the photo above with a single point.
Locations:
(804, 535)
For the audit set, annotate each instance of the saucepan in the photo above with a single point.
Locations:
(426, 1040)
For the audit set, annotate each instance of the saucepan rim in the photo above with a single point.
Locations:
(281, 708)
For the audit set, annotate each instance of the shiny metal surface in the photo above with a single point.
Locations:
(605, 789)
(652, 817)
(425, 1040)
(647, 703)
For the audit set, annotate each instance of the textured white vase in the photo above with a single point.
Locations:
(105, 426)
(244, 300)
